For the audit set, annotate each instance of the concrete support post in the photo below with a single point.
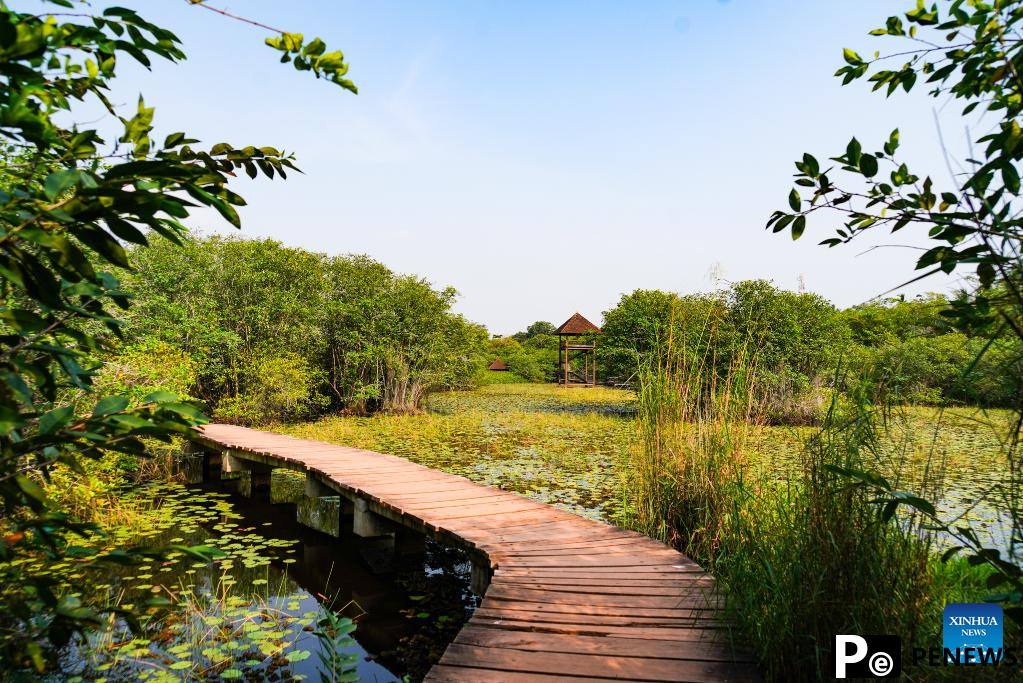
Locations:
(322, 507)
(314, 488)
(258, 475)
(232, 464)
(368, 524)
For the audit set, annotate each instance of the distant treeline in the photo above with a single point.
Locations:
(800, 345)
(261, 331)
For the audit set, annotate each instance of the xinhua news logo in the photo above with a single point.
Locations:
(868, 656)
(971, 636)
(972, 632)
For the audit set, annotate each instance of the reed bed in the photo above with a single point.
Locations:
(798, 559)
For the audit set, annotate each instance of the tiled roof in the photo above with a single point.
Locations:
(577, 324)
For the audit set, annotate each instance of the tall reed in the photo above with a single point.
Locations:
(816, 557)
(799, 560)
(694, 421)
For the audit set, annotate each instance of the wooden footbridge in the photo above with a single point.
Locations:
(564, 598)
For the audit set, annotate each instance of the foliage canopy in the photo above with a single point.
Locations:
(69, 202)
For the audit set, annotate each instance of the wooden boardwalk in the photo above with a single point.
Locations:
(569, 598)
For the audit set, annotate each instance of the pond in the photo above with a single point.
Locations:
(570, 448)
(253, 612)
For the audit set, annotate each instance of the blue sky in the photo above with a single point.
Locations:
(545, 157)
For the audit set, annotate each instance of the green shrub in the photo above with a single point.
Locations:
(487, 377)
(275, 388)
(140, 369)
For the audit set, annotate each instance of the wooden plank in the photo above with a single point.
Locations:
(681, 634)
(611, 587)
(592, 614)
(458, 674)
(585, 583)
(487, 514)
(462, 493)
(500, 539)
(420, 487)
(513, 568)
(716, 650)
(699, 599)
(543, 524)
(594, 561)
(604, 551)
(603, 541)
(447, 503)
(616, 668)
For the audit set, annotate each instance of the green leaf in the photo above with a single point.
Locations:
(798, 226)
(893, 143)
(914, 501)
(851, 57)
(868, 165)
(297, 655)
(31, 489)
(160, 396)
(794, 201)
(109, 405)
(811, 164)
(55, 419)
(60, 182)
(25, 322)
(1010, 176)
(853, 151)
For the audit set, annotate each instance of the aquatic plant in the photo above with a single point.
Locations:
(337, 662)
(238, 616)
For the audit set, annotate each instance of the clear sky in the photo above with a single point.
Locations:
(546, 157)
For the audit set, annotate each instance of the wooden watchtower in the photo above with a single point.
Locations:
(577, 352)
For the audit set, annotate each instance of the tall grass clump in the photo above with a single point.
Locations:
(819, 556)
(799, 559)
(689, 467)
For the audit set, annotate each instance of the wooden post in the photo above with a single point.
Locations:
(568, 361)
(479, 577)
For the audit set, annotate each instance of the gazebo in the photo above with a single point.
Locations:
(577, 357)
(498, 366)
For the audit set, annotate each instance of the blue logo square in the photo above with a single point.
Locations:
(976, 625)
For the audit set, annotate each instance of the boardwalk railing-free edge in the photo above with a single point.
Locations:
(563, 597)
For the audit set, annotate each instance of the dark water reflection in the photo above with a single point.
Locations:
(388, 595)
(250, 615)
